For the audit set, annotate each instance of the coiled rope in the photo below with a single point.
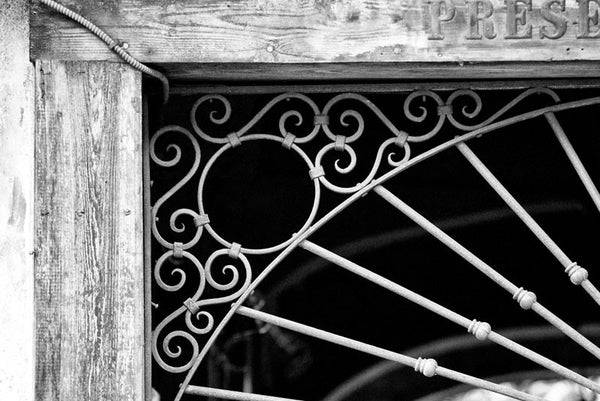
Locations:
(111, 43)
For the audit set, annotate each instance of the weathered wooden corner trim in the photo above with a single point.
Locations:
(16, 204)
(89, 216)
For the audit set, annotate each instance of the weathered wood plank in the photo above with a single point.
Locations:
(326, 31)
(16, 204)
(218, 72)
(89, 274)
(192, 89)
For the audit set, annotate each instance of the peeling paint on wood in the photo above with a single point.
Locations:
(16, 204)
(18, 207)
(325, 31)
(89, 272)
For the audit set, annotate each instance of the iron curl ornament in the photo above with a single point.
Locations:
(294, 129)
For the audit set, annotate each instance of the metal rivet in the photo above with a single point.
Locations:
(397, 50)
(125, 45)
(270, 49)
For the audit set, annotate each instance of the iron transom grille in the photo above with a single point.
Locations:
(249, 184)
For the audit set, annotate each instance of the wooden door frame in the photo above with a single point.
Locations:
(60, 123)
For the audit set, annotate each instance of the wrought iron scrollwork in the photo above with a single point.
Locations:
(421, 108)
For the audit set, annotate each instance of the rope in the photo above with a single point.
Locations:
(111, 43)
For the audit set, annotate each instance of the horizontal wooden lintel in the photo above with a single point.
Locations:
(254, 72)
(328, 39)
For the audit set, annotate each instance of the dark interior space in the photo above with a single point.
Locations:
(259, 194)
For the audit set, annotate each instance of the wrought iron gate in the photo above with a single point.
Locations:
(337, 144)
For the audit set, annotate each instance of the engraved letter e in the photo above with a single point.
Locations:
(585, 18)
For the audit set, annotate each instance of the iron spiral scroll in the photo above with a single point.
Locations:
(338, 125)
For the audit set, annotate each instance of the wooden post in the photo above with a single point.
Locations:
(16, 204)
(89, 267)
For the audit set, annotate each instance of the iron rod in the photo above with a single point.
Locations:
(543, 361)
(446, 313)
(574, 158)
(486, 269)
(231, 395)
(591, 289)
(446, 345)
(513, 204)
(396, 236)
(520, 211)
(446, 239)
(385, 283)
(380, 352)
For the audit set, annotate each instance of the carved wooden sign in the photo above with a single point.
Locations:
(489, 30)
(326, 31)
(518, 17)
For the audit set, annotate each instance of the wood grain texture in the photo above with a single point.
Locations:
(193, 89)
(252, 72)
(303, 31)
(16, 204)
(89, 270)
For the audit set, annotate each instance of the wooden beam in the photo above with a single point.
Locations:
(193, 89)
(89, 269)
(253, 72)
(16, 204)
(321, 32)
